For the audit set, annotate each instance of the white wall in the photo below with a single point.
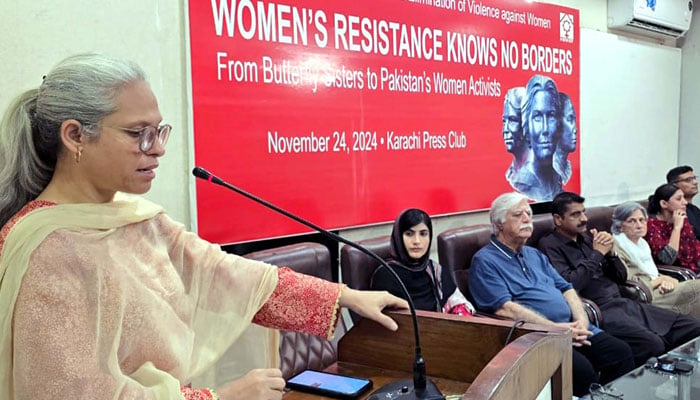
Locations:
(629, 123)
(689, 138)
(34, 35)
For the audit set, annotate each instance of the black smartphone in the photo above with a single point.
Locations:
(328, 384)
(684, 367)
(666, 364)
(673, 365)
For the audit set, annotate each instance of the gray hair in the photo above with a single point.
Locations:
(622, 212)
(500, 207)
(81, 87)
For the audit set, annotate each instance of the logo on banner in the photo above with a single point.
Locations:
(566, 27)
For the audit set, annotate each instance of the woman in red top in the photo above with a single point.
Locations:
(669, 234)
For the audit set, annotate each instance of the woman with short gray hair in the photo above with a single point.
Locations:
(629, 227)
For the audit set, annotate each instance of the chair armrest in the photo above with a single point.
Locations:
(636, 290)
(594, 313)
(680, 273)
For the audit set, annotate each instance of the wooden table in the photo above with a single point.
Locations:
(464, 356)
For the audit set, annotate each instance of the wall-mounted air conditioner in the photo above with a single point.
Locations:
(656, 18)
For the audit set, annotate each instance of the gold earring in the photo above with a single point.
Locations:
(78, 155)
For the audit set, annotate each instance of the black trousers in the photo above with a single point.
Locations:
(605, 359)
(646, 343)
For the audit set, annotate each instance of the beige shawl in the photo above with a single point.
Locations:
(116, 300)
(638, 253)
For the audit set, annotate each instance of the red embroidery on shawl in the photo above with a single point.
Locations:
(301, 303)
(31, 206)
(658, 235)
(197, 394)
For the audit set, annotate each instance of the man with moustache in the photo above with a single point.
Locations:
(687, 182)
(541, 119)
(513, 132)
(587, 260)
(518, 282)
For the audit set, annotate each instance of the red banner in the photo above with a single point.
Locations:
(348, 112)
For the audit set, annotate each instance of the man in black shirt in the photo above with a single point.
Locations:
(687, 182)
(587, 260)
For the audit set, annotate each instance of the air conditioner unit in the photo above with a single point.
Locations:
(656, 18)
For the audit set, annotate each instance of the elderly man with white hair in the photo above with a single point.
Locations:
(518, 282)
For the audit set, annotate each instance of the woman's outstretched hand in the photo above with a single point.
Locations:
(370, 304)
(258, 384)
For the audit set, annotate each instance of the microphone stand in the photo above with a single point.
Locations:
(419, 388)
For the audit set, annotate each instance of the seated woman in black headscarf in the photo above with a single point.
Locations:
(432, 288)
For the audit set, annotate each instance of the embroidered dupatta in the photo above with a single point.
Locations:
(158, 304)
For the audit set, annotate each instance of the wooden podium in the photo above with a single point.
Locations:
(464, 356)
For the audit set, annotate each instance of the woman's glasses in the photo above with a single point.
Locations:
(148, 135)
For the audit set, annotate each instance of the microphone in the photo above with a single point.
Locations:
(419, 388)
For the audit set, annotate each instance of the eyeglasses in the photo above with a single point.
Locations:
(689, 179)
(635, 221)
(147, 135)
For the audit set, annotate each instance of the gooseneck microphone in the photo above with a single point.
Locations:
(419, 387)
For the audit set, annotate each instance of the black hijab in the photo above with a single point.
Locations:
(426, 293)
(405, 221)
